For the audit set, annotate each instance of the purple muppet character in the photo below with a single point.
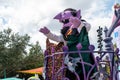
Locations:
(71, 19)
(74, 31)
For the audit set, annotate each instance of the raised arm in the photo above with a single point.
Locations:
(50, 35)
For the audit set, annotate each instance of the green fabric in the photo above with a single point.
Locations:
(73, 40)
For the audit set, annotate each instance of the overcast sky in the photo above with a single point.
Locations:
(28, 16)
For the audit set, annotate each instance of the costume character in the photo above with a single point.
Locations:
(74, 31)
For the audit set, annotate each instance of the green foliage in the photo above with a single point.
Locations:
(14, 55)
(33, 61)
(35, 57)
(35, 49)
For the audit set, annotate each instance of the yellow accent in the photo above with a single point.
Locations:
(68, 32)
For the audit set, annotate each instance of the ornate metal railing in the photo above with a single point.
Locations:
(106, 68)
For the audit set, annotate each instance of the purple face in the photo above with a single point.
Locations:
(64, 17)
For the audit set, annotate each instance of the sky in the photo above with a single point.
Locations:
(28, 16)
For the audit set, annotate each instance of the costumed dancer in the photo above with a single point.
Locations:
(74, 31)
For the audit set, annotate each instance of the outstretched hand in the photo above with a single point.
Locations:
(75, 22)
(44, 30)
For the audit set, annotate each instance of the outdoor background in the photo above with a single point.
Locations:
(28, 16)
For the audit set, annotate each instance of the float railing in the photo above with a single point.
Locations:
(57, 63)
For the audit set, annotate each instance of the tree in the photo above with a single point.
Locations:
(35, 49)
(12, 48)
(35, 57)
(13, 53)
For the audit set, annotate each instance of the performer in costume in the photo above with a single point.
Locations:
(74, 31)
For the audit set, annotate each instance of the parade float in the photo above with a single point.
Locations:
(60, 64)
